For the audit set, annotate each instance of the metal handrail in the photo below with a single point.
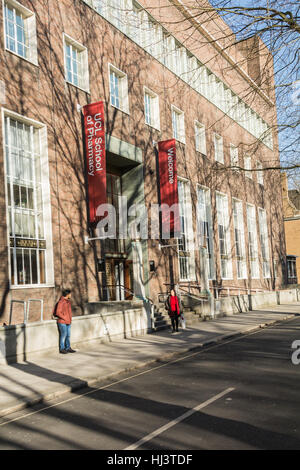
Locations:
(129, 291)
(200, 296)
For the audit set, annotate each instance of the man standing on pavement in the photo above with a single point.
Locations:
(63, 312)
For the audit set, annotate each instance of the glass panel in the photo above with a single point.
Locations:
(42, 267)
(27, 270)
(41, 225)
(34, 272)
(17, 199)
(18, 224)
(23, 197)
(20, 274)
(12, 268)
(25, 226)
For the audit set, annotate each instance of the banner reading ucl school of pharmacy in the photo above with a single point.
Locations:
(94, 130)
(168, 185)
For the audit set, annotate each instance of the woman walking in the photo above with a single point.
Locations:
(172, 306)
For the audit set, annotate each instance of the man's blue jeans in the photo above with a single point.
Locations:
(64, 336)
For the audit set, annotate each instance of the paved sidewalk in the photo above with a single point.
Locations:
(45, 378)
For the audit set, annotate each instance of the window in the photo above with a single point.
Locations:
(234, 157)
(291, 270)
(185, 242)
(224, 236)
(178, 124)
(200, 138)
(118, 89)
(239, 239)
(204, 227)
(252, 241)
(20, 30)
(260, 173)
(219, 154)
(247, 166)
(264, 242)
(76, 63)
(151, 108)
(28, 204)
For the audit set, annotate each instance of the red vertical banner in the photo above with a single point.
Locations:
(94, 133)
(168, 187)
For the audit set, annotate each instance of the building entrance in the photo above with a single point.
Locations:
(119, 279)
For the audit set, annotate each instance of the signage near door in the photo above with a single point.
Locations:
(94, 133)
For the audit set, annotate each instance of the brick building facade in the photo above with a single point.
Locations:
(158, 81)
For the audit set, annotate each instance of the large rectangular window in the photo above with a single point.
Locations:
(224, 235)
(185, 243)
(178, 124)
(26, 209)
(219, 152)
(264, 242)
(239, 239)
(76, 63)
(204, 227)
(234, 157)
(20, 30)
(200, 137)
(151, 108)
(252, 242)
(118, 89)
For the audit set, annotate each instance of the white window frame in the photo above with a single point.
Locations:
(264, 243)
(238, 222)
(248, 166)
(204, 214)
(82, 50)
(219, 149)
(223, 217)
(260, 173)
(185, 210)
(30, 27)
(179, 130)
(154, 117)
(47, 217)
(123, 89)
(200, 137)
(252, 229)
(234, 157)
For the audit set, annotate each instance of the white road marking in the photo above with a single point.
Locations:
(188, 356)
(169, 425)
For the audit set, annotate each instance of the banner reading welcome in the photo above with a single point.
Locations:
(94, 130)
(168, 187)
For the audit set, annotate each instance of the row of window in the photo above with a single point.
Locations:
(133, 20)
(29, 218)
(205, 235)
(119, 99)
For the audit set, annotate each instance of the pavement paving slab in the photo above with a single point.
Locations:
(47, 377)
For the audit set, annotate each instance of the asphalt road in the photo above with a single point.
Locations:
(243, 393)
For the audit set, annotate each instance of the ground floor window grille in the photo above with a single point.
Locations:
(264, 242)
(239, 239)
(185, 245)
(25, 203)
(204, 229)
(224, 236)
(252, 242)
